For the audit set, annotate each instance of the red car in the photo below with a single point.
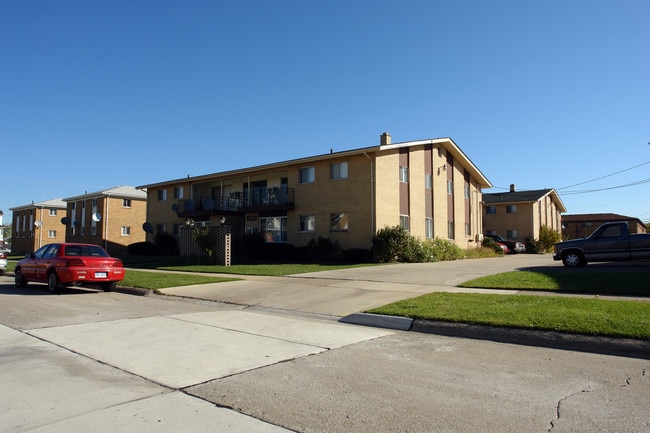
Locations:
(61, 265)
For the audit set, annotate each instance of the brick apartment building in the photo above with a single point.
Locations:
(516, 215)
(37, 224)
(112, 218)
(428, 186)
(582, 225)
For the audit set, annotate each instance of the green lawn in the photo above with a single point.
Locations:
(591, 316)
(553, 313)
(161, 280)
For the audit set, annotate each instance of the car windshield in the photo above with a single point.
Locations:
(85, 250)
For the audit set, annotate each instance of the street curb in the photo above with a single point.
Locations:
(626, 347)
(134, 291)
(378, 321)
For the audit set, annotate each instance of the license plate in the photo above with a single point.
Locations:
(100, 274)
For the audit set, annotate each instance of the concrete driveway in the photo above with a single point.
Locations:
(343, 292)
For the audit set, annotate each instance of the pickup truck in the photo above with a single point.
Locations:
(609, 242)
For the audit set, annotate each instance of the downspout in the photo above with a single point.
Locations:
(372, 196)
(108, 199)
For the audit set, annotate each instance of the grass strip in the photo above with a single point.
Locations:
(274, 270)
(161, 280)
(629, 319)
(615, 283)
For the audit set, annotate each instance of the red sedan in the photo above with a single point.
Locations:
(61, 265)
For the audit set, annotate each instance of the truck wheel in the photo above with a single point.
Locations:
(573, 260)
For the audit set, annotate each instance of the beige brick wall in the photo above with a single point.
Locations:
(108, 231)
(369, 197)
(31, 238)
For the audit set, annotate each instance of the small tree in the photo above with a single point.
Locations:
(202, 237)
(548, 237)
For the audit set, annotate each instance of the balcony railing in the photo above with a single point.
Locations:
(238, 202)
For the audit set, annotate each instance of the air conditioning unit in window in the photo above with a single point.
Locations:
(479, 237)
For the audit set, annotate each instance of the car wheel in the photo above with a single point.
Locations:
(19, 280)
(109, 287)
(53, 282)
(573, 259)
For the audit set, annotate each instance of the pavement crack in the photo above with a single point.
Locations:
(558, 408)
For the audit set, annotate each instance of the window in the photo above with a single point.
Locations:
(511, 208)
(94, 203)
(428, 228)
(468, 229)
(162, 194)
(466, 191)
(450, 187)
(93, 230)
(403, 174)
(52, 212)
(51, 234)
(307, 175)
(177, 229)
(404, 222)
(178, 192)
(451, 230)
(339, 170)
(307, 223)
(338, 221)
(428, 181)
(126, 202)
(491, 210)
(126, 231)
(511, 234)
(274, 229)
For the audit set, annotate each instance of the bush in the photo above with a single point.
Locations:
(167, 244)
(491, 243)
(142, 249)
(533, 246)
(547, 238)
(395, 244)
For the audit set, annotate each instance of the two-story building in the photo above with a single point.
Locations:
(37, 224)
(112, 218)
(582, 225)
(428, 186)
(517, 215)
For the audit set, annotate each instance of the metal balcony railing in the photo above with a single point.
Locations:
(237, 202)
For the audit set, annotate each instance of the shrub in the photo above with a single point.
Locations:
(395, 244)
(533, 246)
(167, 244)
(547, 238)
(142, 249)
(491, 243)
(388, 244)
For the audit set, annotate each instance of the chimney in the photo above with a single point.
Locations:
(384, 139)
(512, 187)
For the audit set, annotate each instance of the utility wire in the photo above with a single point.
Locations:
(603, 177)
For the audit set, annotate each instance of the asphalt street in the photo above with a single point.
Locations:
(260, 356)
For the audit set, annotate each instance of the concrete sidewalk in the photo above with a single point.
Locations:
(343, 292)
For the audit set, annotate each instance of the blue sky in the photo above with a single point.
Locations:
(553, 94)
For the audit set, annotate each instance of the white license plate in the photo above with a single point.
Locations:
(100, 274)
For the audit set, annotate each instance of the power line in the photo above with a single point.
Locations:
(640, 182)
(603, 177)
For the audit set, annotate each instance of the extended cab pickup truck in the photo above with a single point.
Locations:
(609, 242)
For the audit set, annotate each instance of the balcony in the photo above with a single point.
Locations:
(237, 203)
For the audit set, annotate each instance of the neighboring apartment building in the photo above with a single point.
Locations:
(37, 224)
(428, 186)
(582, 225)
(112, 218)
(516, 215)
